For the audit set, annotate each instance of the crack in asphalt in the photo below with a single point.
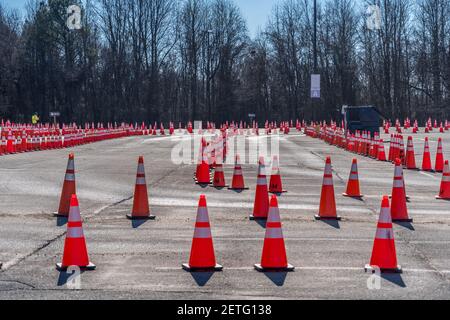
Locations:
(16, 281)
(156, 182)
(86, 218)
(24, 257)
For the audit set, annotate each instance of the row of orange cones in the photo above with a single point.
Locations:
(202, 251)
(202, 175)
(202, 256)
(274, 253)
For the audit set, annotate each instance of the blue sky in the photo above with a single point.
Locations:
(255, 11)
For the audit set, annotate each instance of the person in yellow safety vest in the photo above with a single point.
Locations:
(35, 118)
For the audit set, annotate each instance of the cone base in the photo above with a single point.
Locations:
(59, 215)
(188, 268)
(403, 220)
(253, 218)
(272, 192)
(131, 217)
(369, 268)
(239, 189)
(89, 267)
(317, 217)
(412, 169)
(203, 183)
(350, 196)
(407, 197)
(289, 268)
(441, 198)
(219, 187)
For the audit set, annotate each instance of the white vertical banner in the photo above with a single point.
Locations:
(315, 86)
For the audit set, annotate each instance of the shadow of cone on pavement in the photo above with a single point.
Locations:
(69, 188)
(75, 251)
(384, 255)
(274, 256)
(202, 252)
(141, 208)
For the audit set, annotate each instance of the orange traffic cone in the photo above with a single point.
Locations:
(75, 251)
(381, 151)
(238, 183)
(261, 205)
(399, 209)
(274, 256)
(410, 155)
(327, 210)
(141, 208)
(69, 188)
(353, 189)
(202, 251)
(203, 175)
(444, 193)
(439, 166)
(384, 255)
(219, 176)
(426, 162)
(276, 185)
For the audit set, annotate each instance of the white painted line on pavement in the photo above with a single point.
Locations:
(361, 269)
(428, 175)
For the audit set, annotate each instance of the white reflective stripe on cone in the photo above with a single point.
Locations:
(354, 177)
(140, 181)
(274, 215)
(202, 215)
(69, 177)
(385, 215)
(274, 233)
(75, 233)
(446, 178)
(398, 184)
(202, 233)
(398, 172)
(384, 234)
(328, 181)
(140, 169)
(261, 181)
(238, 172)
(71, 165)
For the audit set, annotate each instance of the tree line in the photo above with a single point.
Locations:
(162, 60)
